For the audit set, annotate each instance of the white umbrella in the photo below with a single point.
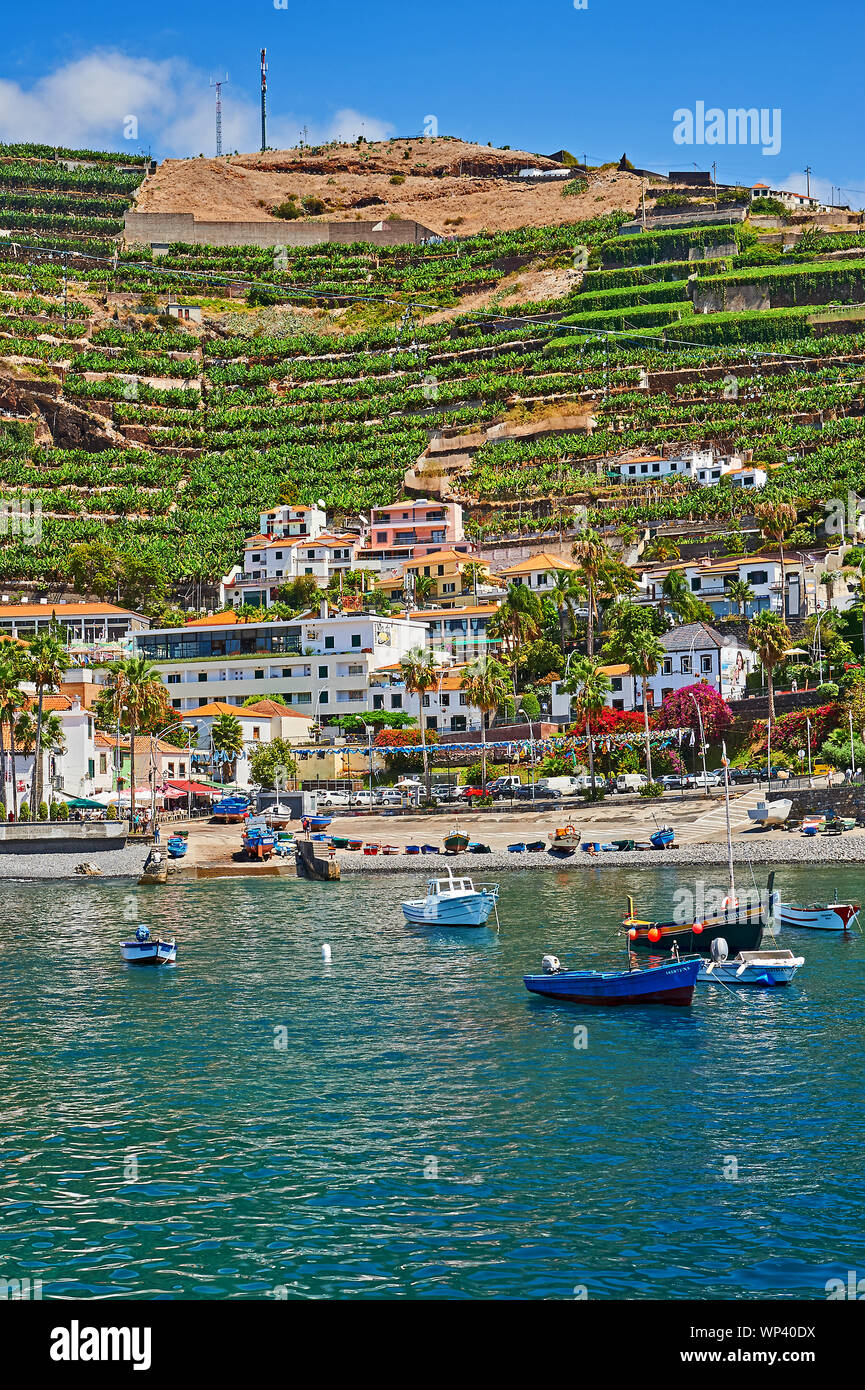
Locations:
(409, 783)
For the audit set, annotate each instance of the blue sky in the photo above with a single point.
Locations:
(599, 80)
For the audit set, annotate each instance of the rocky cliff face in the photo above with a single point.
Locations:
(57, 421)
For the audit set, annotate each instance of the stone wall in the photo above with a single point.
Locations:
(146, 228)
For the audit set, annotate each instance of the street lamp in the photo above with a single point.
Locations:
(370, 730)
(178, 724)
(531, 748)
(696, 703)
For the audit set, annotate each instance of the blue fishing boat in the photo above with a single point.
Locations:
(176, 846)
(412, 849)
(430, 849)
(535, 846)
(477, 848)
(668, 983)
(231, 809)
(516, 849)
(663, 837)
(145, 949)
(318, 822)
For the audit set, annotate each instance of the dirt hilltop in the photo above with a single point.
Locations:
(447, 185)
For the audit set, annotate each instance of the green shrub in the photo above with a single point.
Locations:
(312, 205)
(827, 691)
(652, 789)
(63, 811)
(288, 210)
(111, 813)
(43, 810)
(397, 178)
(24, 812)
(54, 810)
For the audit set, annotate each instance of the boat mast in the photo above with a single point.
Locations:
(726, 763)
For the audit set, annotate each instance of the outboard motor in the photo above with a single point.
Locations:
(142, 933)
(720, 949)
(551, 965)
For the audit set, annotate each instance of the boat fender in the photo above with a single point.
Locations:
(551, 965)
(326, 953)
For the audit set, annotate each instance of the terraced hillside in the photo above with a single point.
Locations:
(171, 439)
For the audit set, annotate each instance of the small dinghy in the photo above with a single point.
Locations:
(668, 983)
(176, 846)
(663, 837)
(318, 822)
(354, 844)
(453, 902)
(429, 849)
(412, 849)
(769, 813)
(148, 950)
(278, 816)
(565, 839)
(477, 848)
(818, 916)
(535, 846)
(764, 969)
(390, 849)
(372, 849)
(516, 849)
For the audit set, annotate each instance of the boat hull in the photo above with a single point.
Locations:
(742, 931)
(836, 917)
(665, 984)
(470, 910)
(455, 844)
(148, 952)
(766, 970)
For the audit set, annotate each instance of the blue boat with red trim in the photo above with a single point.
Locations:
(670, 982)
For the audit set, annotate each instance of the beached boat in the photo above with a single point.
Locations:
(456, 842)
(769, 813)
(477, 848)
(430, 849)
(565, 839)
(669, 983)
(176, 846)
(662, 838)
(231, 810)
(339, 841)
(518, 848)
(412, 849)
(278, 816)
(763, 969)
(372, 849)
(354, 844)
(258, 843)
(535, 846)
(390, 849)
(453, 902)
(317, 822)
(818, 916)
(149, 950)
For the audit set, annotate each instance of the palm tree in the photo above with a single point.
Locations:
(227, 737)
(423, 587)
(46, 660)
(739, 591)
(676, 595)
(591, 553)
(661, 548)
(419, 673)
(777, 520)
(589, 687)
(136, 688)
(486, 685)
(769, 636)
(565, 594)
(520, 616)
(12, 699)
(643, 652)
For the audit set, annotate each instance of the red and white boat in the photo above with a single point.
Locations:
(818, 917)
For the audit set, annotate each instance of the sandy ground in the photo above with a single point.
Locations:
(245, 187)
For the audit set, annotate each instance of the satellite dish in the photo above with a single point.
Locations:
(720, 949)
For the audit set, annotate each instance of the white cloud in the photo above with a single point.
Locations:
(87, 101)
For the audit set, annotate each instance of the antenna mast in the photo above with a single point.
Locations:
(219, 86)
(263, 100)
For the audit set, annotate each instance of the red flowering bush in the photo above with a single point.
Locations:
(678, 712)
(790, 731)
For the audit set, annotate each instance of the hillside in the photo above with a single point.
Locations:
(169, 439)
(446, 185)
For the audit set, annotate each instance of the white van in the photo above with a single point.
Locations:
(630, 781)
(567, 786)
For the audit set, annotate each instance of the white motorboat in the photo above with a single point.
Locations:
(453, 902)
(277, 817)
(769, 813)
(761, 968)
(818, 916)
(148, 950)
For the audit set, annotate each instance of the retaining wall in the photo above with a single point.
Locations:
(163, 228)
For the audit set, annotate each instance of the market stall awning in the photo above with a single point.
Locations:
(83, 803)
(194, 788)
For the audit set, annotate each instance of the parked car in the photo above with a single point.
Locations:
(363, 798)
(332, 798)
(525, 793)
(674, 780)
(708, 779)
(630, 781)
(389, 796)
(565, 786)
(503, 787)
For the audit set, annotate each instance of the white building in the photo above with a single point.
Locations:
(444, 707)
(805, 587)
(260, 724)
(694, 652)
(319, 666)
(795, 202)
(71, 768)
(701, 466)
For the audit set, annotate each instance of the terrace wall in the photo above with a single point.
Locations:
(146, 228)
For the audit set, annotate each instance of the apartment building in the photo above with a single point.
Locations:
(260, 724)
(809, 582)
(444, 707)
(538, 571)
(447, 578)
(462, 633)
(404, 530)
(701, 466)
(317, 666)
(89, 625)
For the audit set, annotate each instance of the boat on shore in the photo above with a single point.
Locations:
(663, 838)
(453, 902)
(838, 917)
(456, 842)
(518, 848)
(148, 950)
(231, 810)
(668, 983)
(176, 846)
(769, 813)
(564, 839)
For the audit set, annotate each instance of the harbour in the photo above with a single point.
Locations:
(405, 1121)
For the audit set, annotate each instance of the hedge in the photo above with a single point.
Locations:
(601, 280)
(644, 248)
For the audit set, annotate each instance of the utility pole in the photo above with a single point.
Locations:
(643, 203)
(715, 184)
(808, 178)
(219, 85)
(263, 100)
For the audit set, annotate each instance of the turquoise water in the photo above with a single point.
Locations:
(407, 1121)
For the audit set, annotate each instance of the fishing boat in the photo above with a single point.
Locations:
(258, 843)
(412, 849)
(668, 983)
(565, 839)
(454, 902)
(663, 837)
(339, 841)
(372, 849)
(740, 923)
(517, 848)
(833, 916)
(765, 969)
(456, 842)
(390, 849)
(148, 950)
(624, 844)
(231, 810)
(318, 822)
(477, 848)
(354, 844)
(278, 816)
(429, 849)
(769, 813)
(535, 846)
(176, 846)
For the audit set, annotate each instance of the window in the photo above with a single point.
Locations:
(354, 669)
(758, 577)
(259, 675)
(378, 702)
(323, 697)
(304, 697)
(90, 769)
(445, 700)
(286, 673)
(355, 639)
(171, 769)
(308, 569)
(686, 665)
(202, 675)
(668, 665)
(202, 699)
(103, 762)
(396, 702)
(322, 673)
(464, 699)
(616, 683)
(328, 644)
(696, 582)
(440, 569)
(176, 704)
(705, 663)
(256, 731)
(182, 767)
(173, 679)
(426, 701)
(449, 588)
